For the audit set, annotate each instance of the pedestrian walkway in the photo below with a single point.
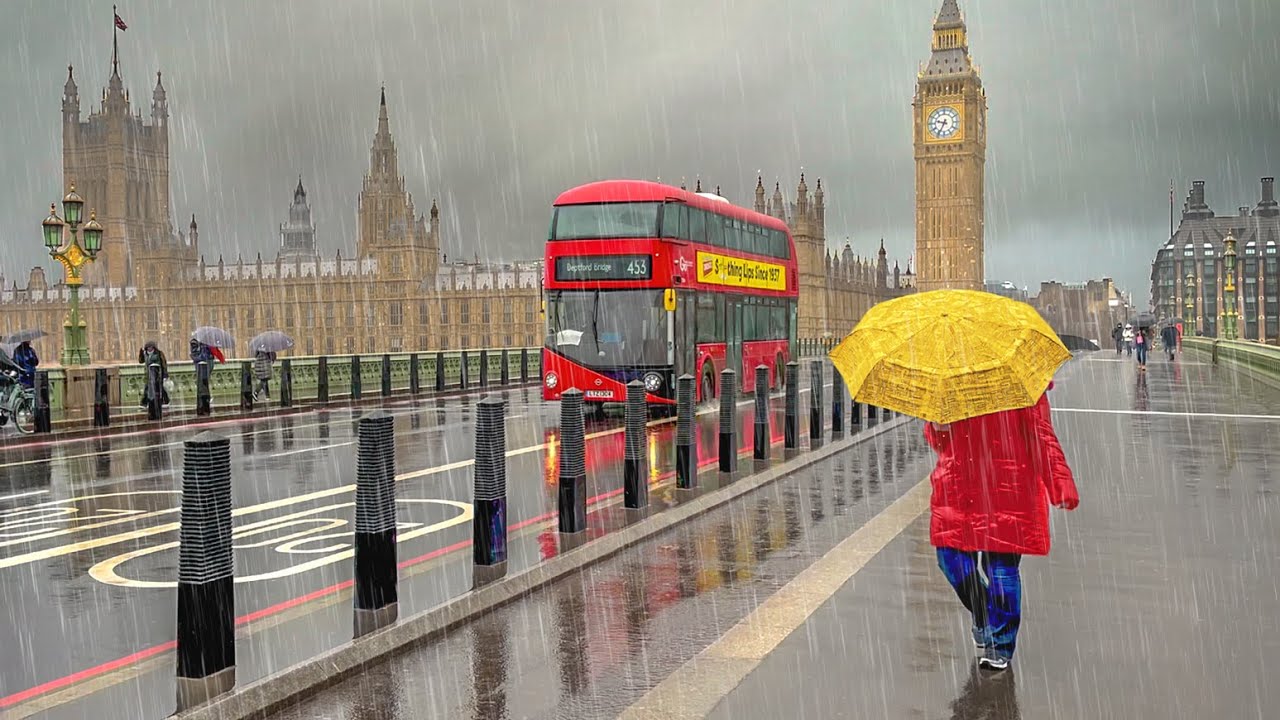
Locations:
(819, 596)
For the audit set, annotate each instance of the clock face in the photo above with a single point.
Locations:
(944, 122)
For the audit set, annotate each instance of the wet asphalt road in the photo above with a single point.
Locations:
(88, 540)
(1159, 599)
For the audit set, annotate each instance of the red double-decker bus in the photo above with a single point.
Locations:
(648, 282)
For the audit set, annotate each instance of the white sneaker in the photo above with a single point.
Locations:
(993, 662)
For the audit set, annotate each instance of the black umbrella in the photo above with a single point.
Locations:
(22, 336)
(214, 337)
(270, 341)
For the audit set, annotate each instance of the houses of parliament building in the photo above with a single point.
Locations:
(392, 294)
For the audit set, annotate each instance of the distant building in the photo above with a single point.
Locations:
(1197, 248)
(1089, 310)
(298, 236)
(1007, 289)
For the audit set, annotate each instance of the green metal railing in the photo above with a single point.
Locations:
(1261, 359)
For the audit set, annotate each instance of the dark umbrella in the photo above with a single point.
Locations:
(214, 337)
(270, 341)
(22, 336)
(1145, 320)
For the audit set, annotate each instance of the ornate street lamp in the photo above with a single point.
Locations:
(1189, 291)
(73, 257)
(1229, 312)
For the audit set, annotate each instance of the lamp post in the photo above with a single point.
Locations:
(1189, 291)
(1229, 312)
(73, 257)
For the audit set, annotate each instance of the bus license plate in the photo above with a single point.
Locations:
(599, 394)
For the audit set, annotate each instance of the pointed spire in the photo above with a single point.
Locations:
(717, 189)
(949, 16)
(70, 87)
(882, 252)
(193, 222)
(698, 188)
(299, 192)
(435, 210)
(383, 102)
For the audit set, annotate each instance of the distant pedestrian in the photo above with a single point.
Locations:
(150, 355)
(25, 357)
(1128, 340)
(1117, 336)
(200, 353)
(1142, 343)
(262, 362)
(1169, 339)
(995, 477)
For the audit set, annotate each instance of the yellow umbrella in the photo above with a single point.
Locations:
(948, 355)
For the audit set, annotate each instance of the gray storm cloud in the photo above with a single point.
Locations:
(498, 106)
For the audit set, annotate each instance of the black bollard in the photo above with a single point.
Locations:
(686, 457)
(816, 405)
(837, 404)
(489, 525)
(376, 600)
(322, 380)
(761, 438)
(206, 600)
(504, 367)
(246, 385)
(386, 375)
(101, 398)
(286, 383)
(572, 490)
(462, 377)
(791, 412)
(204, 396)
(524, 365)
(484, 368)
(155, 385)
(357, 384)
(415, 382)
(635, 462)
(728, 420)
(439, 372)
(43, 414)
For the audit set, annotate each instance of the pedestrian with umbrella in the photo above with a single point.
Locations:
(975, 366)
(24, 356)
(264, 347)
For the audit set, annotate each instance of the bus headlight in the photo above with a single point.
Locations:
(652, 382)
(552, 380)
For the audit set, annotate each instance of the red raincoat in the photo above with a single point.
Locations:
(995, 478)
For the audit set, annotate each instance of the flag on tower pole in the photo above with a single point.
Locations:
(119, 23)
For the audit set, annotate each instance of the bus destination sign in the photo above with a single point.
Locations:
(740, 272)
(604, 267)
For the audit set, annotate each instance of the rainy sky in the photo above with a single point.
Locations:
(1094, 105)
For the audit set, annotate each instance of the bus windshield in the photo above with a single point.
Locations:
(607, 220)
(608, 328)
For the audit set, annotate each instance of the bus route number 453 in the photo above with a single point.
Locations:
(638, 267)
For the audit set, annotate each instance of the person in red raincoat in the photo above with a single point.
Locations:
(995, 478)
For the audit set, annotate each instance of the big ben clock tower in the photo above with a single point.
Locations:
(950, 119)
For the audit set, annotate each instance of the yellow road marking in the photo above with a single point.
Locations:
(696, 687)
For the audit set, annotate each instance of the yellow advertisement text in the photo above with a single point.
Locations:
(739, 272)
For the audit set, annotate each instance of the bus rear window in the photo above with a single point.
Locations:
(609, 220)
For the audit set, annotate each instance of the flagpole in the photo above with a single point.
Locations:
(1170, 208)
(115, 44)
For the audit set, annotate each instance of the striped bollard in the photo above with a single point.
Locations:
(489, 525)
(356, 380)
(760, 445)
(837, 404)
(246, 385)
(728, 415)
(376, 599)
(686, 457)
(791, 413)
(286, 383)
(101, 398)
(322, 380)
(635, 463)
(415, 379)
(206, 600)
(816, 405)
(386, 375)
(572, 487)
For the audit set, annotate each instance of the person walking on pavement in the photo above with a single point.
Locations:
(150, 355)
(1169, 339)
(262, 362)
(1128, 339)
(1117, 336)
(1142, 343)
(995, 478)
(25, 357)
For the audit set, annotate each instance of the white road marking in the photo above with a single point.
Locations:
(1168, 413)
(22, 495)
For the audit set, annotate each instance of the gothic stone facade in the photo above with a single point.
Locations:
(950, 116)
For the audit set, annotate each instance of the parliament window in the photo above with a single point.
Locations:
(396, 312)
(423, 313)
(484, 312)
(506, 311)
(465, 313)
